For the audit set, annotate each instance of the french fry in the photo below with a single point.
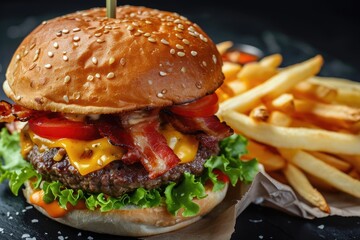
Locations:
(285, 102)
(272, 61)
(353, 160)
(328, 111)
(279, 119)
(323, 171)
(271, 160)
(259, 113)
(303, 187)
(332, 161)
(297, 138)
(224, 46)
(237, 87)
(348, 92)
(254, 74)
(230, 70)
(275, 86)
(315, 92)
(320, 184)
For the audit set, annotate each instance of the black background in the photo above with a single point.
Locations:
(302, 29)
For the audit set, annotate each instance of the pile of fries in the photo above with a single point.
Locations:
(304, 129)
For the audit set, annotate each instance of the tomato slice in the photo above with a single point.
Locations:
(221, 176)
(203, 107)
(60, 127)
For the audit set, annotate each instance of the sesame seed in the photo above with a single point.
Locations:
(100, 40)
(98, 34)
(50, 54)
(111, 60)
(110, 75)
(36, 57)
(65, 58)
(150, 39)
(37, 51)
(59, 34)
(32, 46)
(32, 66)
(178, 29)
(26, 52)
(132, 14)
(76, 38)
(64, 52)
(77, 95)
(48, 66)
(44, 22)
(180, 54)
(204, 39)
(194, 53)
(90, 77)
(67, 79)
(150, 82)
(66, 98)
(94, 60)
(177, 21)
(18, 57)
(18, 97)
(191, 29)
(147, 35)
(108, 27)
(87, 84)
(180, 26)
(122, 61)
(162, 73)
(140, 31)
(135, 24)
(56, 45)
(178, 46)
(163, 91)
(194, 34)
(179, 36)
(65, 31)
(186, 41)
(204, 63)
(76, 29)
(76, 44)
(130, 28)
(183, 70)
(214, 58)
(164, 41)
(172, 51)
(137, 34)
(106, 31)
(160, 95)
(97, 75)
(147, 22)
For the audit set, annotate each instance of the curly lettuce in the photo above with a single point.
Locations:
(174, 196)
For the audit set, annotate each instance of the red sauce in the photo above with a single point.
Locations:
(53, 209)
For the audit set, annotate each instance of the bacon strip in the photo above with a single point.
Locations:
(10, 113)
(159, 157)
(118, 136)
(209, 125)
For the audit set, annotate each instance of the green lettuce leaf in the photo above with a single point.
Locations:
(228, 161)
(180, 196)
(10, 151)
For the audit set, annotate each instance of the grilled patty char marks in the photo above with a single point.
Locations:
(116, 178)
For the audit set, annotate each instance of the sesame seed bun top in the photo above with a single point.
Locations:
(87, 63)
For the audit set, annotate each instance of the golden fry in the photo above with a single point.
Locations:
(272, 61)
(303, 187)
(274, 87)
(279, 119)
(323, 171)
(296, 138)
(224, 46)
(271, 160)
(332, 161)
(259, 113)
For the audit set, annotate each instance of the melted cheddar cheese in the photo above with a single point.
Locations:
(89, 156)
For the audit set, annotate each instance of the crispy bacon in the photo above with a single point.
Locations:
(159, 157)
(111, 128)
(10, 113)
(209, 125)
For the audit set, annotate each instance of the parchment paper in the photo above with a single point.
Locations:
(264, 190)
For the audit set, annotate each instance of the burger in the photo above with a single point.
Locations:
(119, 133)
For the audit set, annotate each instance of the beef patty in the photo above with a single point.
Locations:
(116, 178)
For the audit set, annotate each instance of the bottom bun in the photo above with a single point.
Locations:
(133, 221)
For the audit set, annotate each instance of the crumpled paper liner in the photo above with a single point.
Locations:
(220, 223)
